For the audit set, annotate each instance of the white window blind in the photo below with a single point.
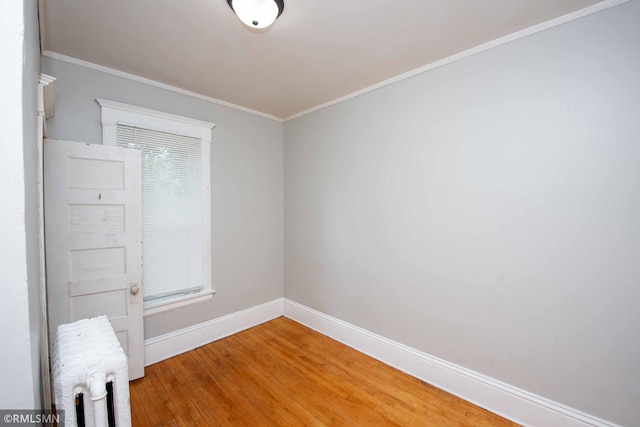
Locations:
(172, 214)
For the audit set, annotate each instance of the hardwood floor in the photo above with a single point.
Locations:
(281, 373)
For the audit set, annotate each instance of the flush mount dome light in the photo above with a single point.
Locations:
(257, 13)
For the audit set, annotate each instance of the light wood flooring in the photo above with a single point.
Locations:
(281, 373)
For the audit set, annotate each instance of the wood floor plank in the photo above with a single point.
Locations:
(344, 399)
(146, 395)
(281, 373)
(204, 393)
(163, 401)
(272, 378)
(137, 410)
(358, 384)
(232, 388)
(180, 396)
(363, 370)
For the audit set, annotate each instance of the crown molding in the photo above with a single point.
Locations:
(48, 85)
(144, 80)
(458, 56)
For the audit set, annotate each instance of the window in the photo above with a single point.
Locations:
(176, 212)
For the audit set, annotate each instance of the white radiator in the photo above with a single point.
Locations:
(87, 357)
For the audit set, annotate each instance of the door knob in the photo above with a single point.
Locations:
(134, 288)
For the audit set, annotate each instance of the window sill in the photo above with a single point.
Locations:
(162, 306)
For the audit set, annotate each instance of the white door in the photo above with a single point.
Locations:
(93, 240)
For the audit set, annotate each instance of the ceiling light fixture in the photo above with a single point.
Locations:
(257, 13)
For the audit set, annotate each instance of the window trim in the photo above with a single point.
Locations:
(114, 113)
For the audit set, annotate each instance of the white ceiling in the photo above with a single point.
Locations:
(316, 52)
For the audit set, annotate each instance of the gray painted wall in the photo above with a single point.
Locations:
(32, 219)
(486, 212)
(247, 190)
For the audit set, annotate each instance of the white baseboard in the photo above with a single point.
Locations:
(500, 398)
(177, 342)
(503, 399)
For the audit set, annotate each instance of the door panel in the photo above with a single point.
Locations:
(93, 239)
